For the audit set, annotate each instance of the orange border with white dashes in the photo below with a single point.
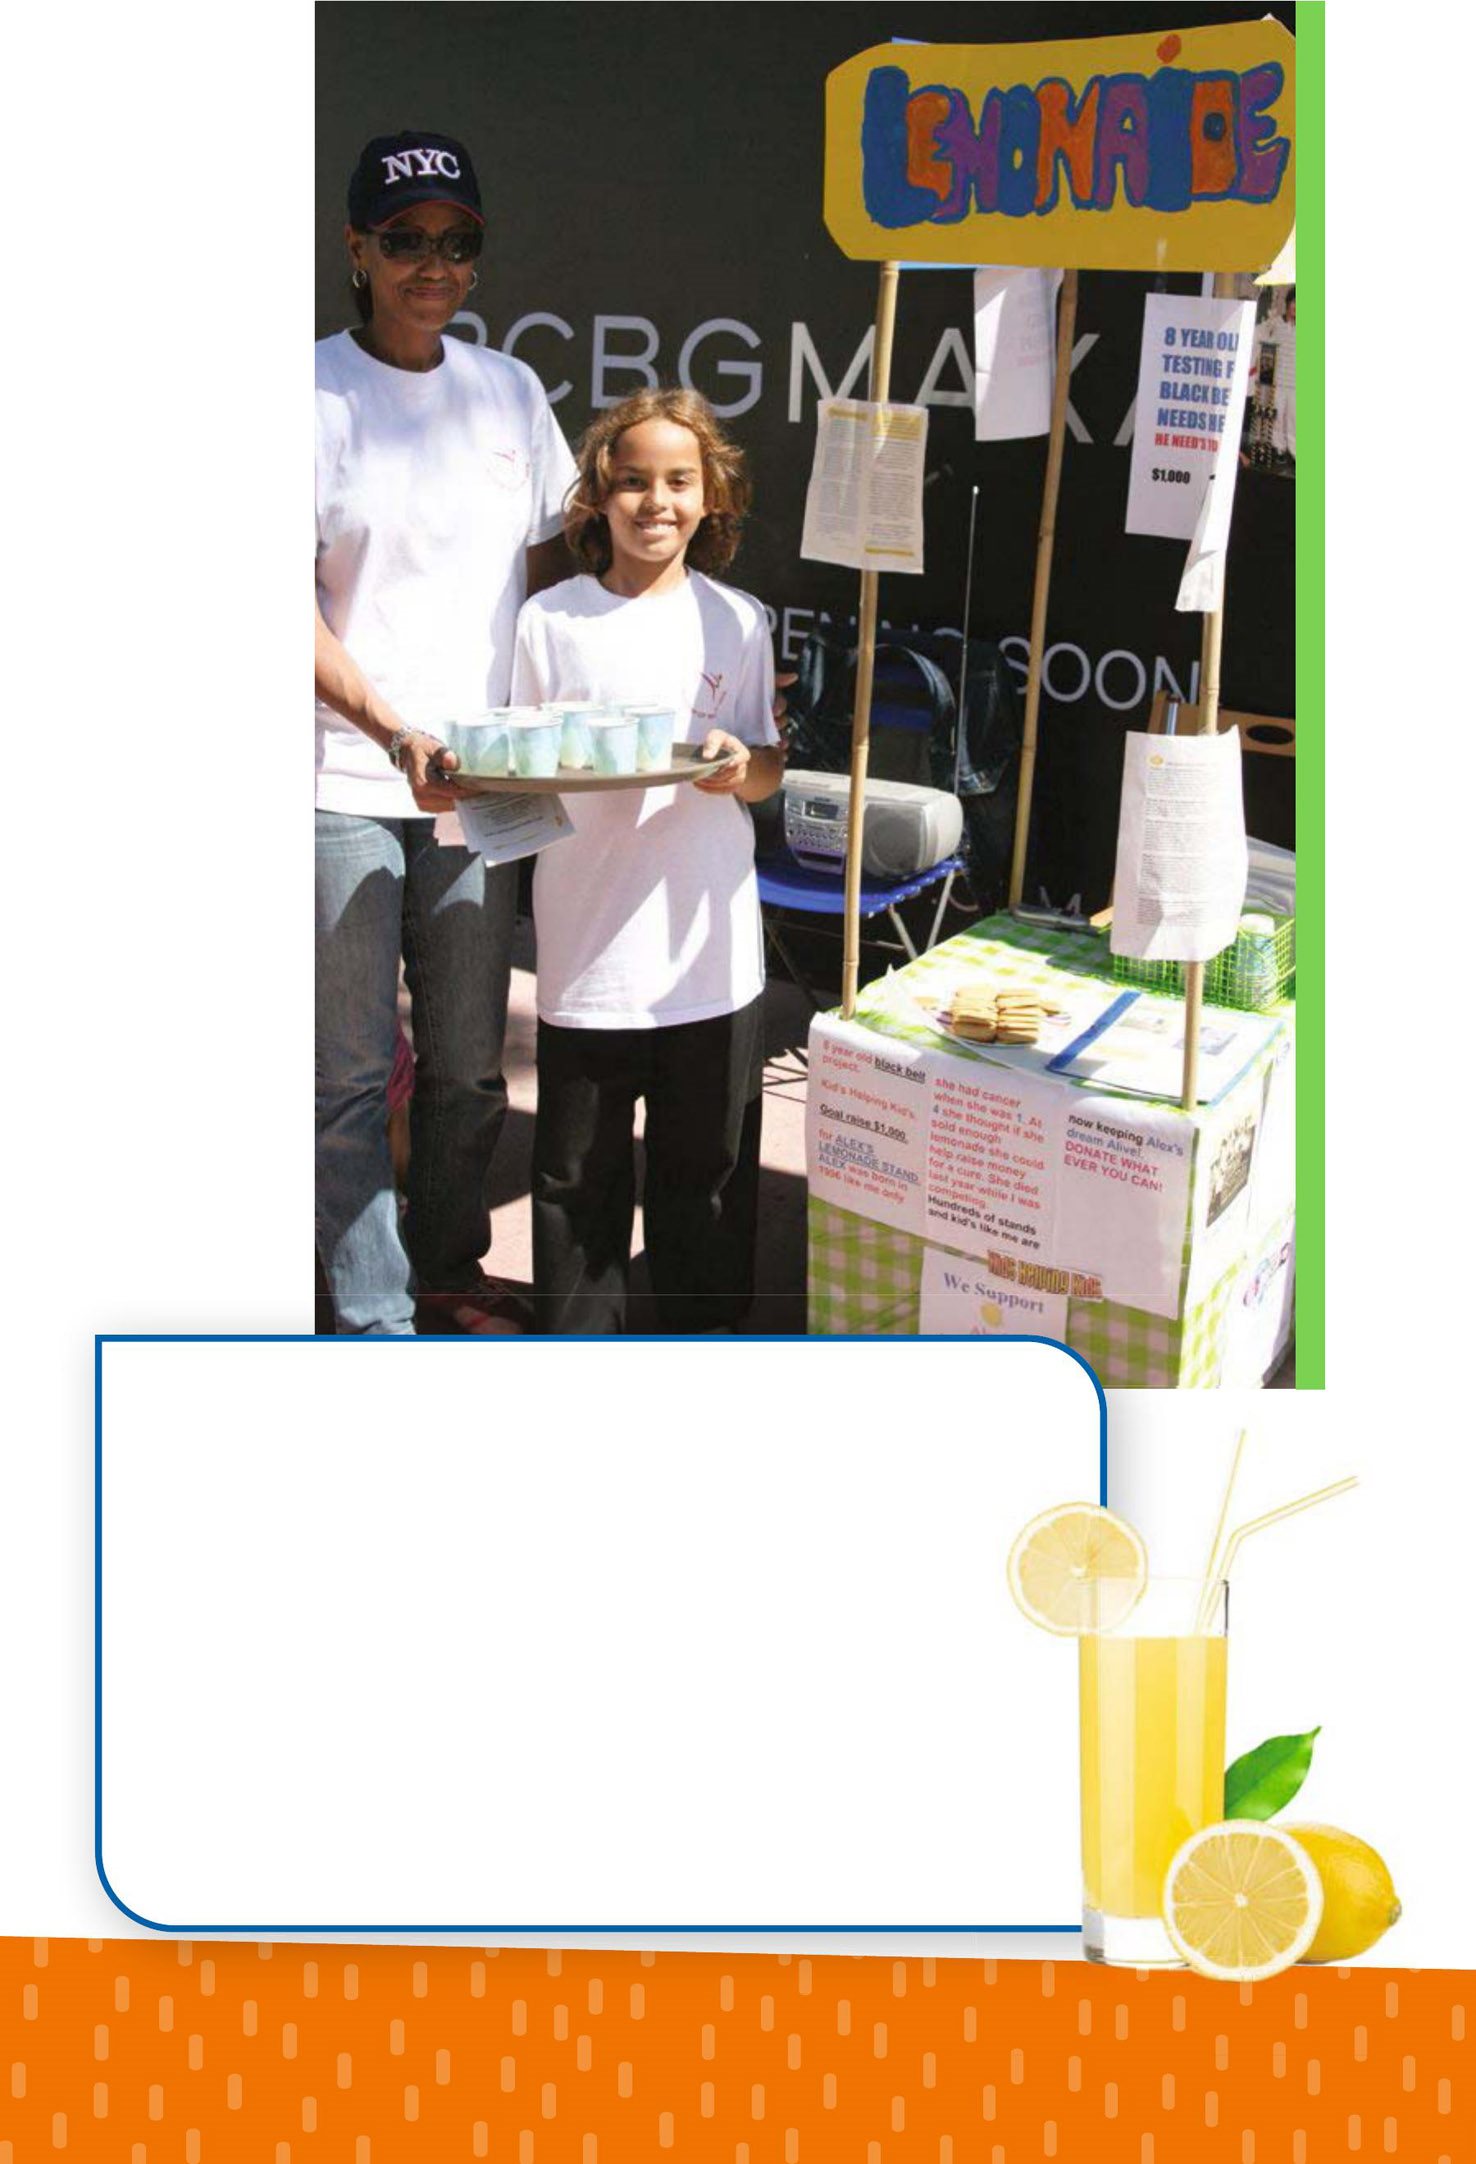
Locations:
(157, 2052)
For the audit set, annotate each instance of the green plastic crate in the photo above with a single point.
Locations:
(1152, 976)
(1255, 971)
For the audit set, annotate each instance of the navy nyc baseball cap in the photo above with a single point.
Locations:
(396, 171)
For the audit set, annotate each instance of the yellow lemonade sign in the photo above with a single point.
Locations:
(1173, 151)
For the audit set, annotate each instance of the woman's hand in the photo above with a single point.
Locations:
(423, 759)
(730, 777)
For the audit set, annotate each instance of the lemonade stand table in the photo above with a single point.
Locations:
(958, 1189)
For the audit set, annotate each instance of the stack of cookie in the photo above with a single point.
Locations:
(973, 1013)
(1019, 1016)
(986, 1014)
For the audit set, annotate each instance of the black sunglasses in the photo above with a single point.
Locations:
(408, 244)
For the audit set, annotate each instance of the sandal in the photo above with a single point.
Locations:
(492, 1309)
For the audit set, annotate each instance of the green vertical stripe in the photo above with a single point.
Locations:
(1311, 703)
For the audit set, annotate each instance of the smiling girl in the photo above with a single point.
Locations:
(650, 944)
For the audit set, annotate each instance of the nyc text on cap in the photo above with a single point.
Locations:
(396, 171)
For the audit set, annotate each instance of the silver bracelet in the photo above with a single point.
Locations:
(394, 749)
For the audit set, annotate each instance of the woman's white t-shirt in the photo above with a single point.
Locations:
(648, 914)
(431, 488)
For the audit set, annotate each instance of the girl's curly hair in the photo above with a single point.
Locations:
(725, 484)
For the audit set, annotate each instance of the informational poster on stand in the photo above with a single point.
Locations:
(1182, 861)
(1191, 395)
(963, 1298)
(1014, 351)
(1245, 1170)
(866, 1125)
(992, 1153)
(1058, 1190)
(1125, 1198)
(864, 508)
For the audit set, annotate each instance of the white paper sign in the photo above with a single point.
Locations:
(1181, 853)
(1124, 1198)
(864, 507)
(1203, 584)
(1191, 394)
(993, 1146)
(503, 828)
(1202, 587)
(866, 1125)
(962, 1298)
(1014, 352)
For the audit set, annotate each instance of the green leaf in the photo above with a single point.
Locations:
(1258, 1784)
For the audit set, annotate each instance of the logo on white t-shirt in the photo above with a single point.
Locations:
(508, 469)
(716, 696)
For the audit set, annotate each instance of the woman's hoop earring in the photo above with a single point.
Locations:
(473, 286)
(360, 278)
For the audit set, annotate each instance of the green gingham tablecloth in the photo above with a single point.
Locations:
(865, 1278)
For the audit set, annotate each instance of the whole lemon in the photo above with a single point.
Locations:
(1358, 1898)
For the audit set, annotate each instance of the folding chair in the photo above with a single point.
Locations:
(788, 891)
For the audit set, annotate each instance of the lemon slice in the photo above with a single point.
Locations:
(1242, 1901)
(1058, 1566)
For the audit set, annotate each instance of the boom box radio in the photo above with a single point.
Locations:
(905, 828)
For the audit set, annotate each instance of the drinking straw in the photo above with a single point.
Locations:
(1256, 1525)
(1210, 1572)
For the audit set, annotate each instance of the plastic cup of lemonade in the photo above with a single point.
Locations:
(655, 734)
(1152, 1757)
(575, 748)
(534, 737)
(480, 746)
(615, 739)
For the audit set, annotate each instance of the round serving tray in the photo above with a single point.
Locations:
(687, 765)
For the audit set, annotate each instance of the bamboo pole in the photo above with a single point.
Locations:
(1209, 722)
(878, 390)
(1044, 548)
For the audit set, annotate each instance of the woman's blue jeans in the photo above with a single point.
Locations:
(385, 887)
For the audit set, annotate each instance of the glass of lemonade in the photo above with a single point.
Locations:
(1152, 1754)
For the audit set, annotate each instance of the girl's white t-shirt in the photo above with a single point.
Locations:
(648, 914)
(431, 488)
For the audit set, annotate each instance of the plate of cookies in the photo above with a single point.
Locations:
(979, 1013)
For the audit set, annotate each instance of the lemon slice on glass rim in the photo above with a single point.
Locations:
(1242, 1901)
(1078, 1568)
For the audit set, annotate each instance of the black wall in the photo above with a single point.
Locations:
(665, 162)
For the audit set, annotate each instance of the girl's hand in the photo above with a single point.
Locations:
(730, 777)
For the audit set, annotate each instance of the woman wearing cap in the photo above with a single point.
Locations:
(441, 474)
